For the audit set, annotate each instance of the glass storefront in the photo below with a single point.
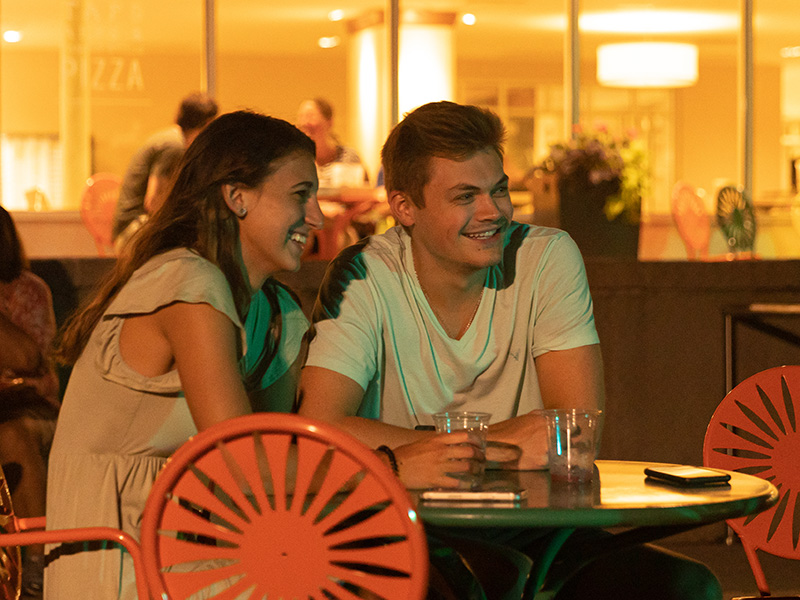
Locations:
(90, 80)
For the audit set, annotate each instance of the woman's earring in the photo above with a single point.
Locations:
(241, 212)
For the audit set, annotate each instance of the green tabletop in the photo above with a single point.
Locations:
(619, 496)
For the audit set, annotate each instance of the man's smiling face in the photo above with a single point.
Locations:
(467, 209)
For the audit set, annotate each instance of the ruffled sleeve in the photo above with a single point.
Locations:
(175, 276)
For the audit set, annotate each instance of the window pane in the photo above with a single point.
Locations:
(510, 60)
(776, 114)
(130, 65)
(669, 120)
(274, 55)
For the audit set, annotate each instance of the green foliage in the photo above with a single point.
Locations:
(600, 158)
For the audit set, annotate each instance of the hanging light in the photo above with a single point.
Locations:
(647, 64)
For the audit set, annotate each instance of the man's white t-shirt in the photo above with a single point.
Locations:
(374, 325)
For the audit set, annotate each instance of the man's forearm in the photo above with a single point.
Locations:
(335, 398)
(374, 433)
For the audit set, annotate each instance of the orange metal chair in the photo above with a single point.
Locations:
(98, 203)
(15, 532)
(754, 430)
(691, 219)
(280, 506)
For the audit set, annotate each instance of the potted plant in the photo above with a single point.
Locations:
(601, 181)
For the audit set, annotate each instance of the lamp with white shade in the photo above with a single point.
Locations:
(647, 65)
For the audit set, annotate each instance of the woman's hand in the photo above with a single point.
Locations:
(518, 443)
(448, 460)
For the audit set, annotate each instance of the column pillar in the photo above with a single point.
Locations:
(74, 105)
(426, 73)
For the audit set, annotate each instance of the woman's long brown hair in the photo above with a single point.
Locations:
(12, 257)
(240, 147)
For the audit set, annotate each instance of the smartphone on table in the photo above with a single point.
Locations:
(687, 476)
(473, 495)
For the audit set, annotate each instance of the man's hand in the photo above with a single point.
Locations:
(518, 443)
(447, 460)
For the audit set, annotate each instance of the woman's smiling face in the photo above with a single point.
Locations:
(280, 215)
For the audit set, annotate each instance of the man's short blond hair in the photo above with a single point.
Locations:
(438, 129)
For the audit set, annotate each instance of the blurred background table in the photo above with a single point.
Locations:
(350, 214)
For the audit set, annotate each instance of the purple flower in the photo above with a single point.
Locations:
(598, 158)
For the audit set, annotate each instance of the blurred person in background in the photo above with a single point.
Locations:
(150, 171)
(315, 119)
(29, 400)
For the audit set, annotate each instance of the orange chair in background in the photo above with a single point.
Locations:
(98, 202)
(277, 505)
(755, 430)
(691, 219)
(16, 532)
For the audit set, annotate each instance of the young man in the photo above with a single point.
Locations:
(457, 308)
(461, 308)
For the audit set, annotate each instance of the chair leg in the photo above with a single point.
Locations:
(755, 566)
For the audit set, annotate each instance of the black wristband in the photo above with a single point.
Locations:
(390, 455)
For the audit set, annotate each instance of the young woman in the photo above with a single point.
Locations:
(188, 330)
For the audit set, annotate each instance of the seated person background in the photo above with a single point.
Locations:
(459, 307)
(315, 119)
(153, 164)
(29, 399)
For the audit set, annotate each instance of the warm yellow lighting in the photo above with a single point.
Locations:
(790, 90)
(426, 66)
(366, 115)
(656, 21)
(329, 42)
(468, 19)
(336, 15)
(12, 36)
(647, 64)
(790, 52)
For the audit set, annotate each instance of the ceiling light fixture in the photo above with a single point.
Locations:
(468, 19)
(329, 42)
(12, 36)
(656, 21)
(647, 65)
(336, 15)
(790, 52)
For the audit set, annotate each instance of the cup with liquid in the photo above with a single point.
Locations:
(475, 422)
(573, 437)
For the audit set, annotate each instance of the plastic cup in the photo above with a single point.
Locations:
(477, 422)
(573, 441)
